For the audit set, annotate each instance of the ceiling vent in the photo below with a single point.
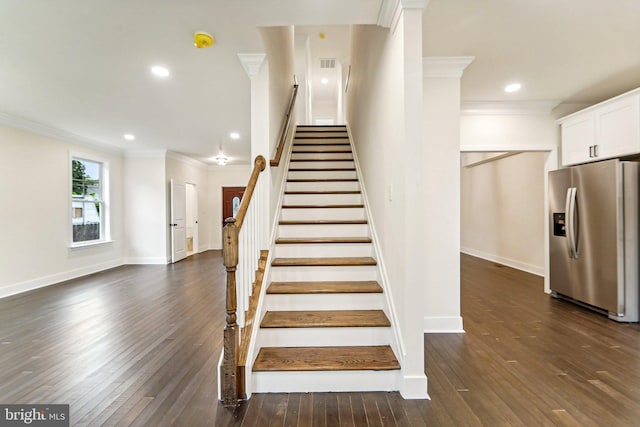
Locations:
(328, 63)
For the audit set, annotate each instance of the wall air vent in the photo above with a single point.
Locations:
(328, 63)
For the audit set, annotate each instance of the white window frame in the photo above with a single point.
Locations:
(105, 216)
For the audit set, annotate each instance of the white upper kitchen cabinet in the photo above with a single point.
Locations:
(603, 131)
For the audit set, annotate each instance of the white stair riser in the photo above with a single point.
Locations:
(320, 147)
(321, 156)
(320, 141)
(321, 175)
(324, 250)
(324, 337)
(324, 381)
(323, 186)
(328, 230)
(292, 302)
(322, 213)
(325, 199)
(322, 165)
(308, 274)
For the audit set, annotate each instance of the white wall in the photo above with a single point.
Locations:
(218, 177)
(35, 191)
(146, 219)
(185, 170)
(384, 106)
(502, 211)
(280, 49)
(507, 131)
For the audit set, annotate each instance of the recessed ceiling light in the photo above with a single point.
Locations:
(160, 71)
(129, 136)
(513, 87)
(324, 80)
(234, 135)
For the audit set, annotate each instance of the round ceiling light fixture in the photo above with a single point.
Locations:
(234, 135)
(160, 71)
(202, 40)
(324, 80)
(513, 87)
(129, 136)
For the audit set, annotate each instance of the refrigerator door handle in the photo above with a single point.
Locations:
(571, 222)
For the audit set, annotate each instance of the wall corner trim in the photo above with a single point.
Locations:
(251, 62)
(443, 325)
(390, 10)
(444, 67)
(55, 133)
(413, 387)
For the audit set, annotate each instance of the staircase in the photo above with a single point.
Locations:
(325, 325)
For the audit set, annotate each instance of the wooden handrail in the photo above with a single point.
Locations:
(286, 123)
(232, 389)
(258, 166)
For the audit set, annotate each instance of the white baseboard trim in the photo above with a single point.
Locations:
(518, 265)
(413, 387)
(443, 325)
(41, 282)
(147, 260)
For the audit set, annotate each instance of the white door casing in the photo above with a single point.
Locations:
(178, 229)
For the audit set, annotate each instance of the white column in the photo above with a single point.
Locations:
(258, 71)
(441, 189)
(408, 21)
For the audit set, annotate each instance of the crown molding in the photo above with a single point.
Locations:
(55, 133)
(186, 159)
(443, 67)
(390, 10)
(478, 108)
(145, 153)
(251, 62)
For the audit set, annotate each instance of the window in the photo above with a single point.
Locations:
(88, 207)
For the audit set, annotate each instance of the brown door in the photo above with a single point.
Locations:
(231, 197)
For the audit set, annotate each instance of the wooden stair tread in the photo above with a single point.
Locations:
(303, 240)
(322, 179)
(315, 144)
(322, 152)
(322, 136)
(323, 222)
(320, 160)
(324, 287)
(354, 206)
(348, 358)
(322, 169)
(323, 262)
(325, 319)
(324, 192)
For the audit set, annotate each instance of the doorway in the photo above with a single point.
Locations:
(231, 198)
(191, 219)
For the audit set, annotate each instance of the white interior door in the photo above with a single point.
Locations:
(178, 219)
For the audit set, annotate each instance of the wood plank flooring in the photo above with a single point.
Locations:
(139, 345)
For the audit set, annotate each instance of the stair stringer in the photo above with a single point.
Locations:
(410, 386)
(252, 351)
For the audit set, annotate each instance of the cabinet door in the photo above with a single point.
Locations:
(618, 127)
(578, 135)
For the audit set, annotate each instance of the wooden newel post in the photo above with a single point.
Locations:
(229, 378)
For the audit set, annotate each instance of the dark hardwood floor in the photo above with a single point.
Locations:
(139, 345)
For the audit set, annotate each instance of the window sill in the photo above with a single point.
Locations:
(88, 244)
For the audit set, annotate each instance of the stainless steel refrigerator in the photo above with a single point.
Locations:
(593, 236)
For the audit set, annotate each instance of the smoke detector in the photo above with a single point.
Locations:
(202, 39)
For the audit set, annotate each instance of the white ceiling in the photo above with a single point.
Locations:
(81, 67)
